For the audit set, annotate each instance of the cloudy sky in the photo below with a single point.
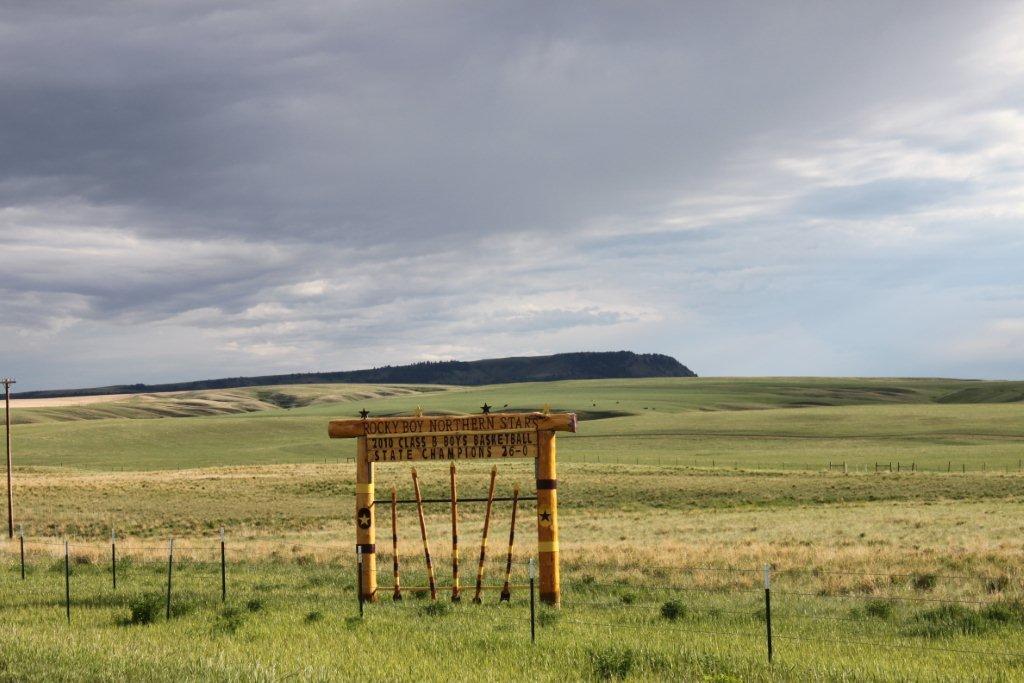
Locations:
(193, 189)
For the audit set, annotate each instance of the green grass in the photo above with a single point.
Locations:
(717, 634)
(735, 422)
(674, 492)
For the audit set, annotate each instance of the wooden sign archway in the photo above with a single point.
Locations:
(471, 437)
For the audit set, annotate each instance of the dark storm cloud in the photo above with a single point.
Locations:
(423, 122)
(235, 185)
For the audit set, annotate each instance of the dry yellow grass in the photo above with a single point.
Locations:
(630, 523)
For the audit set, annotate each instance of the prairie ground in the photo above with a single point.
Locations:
(673, 496)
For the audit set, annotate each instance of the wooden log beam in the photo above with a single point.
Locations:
(444, 424)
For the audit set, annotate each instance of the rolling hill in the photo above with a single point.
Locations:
(560, 366)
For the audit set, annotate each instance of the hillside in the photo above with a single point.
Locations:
(208, 403)
(560, 366)
(806, 421)
(591, 399)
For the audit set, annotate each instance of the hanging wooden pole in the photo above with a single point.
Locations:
(456, 596)
(397, 595)
(423, 534)
(483, 538)
(506, 594)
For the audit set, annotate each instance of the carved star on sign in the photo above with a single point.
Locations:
(363, 518)
(485, 408)
(364, 413)
(545, 518)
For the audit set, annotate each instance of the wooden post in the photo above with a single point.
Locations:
(397, 595)
(7, 382)
(506, 593)
(423, 534)
(547, 519)
(365, 527)
(483, 538)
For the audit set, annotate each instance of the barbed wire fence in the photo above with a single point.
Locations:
(678, 460)
(761, 606)
(773, 614)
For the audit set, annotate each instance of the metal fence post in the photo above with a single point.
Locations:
(532, 570)
(170, 572)
(21, 549)
(113, 559)
(359, 581)
(768, 607)
(223, 568)
(67, 580)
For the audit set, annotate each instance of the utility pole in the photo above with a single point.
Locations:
(8, 381)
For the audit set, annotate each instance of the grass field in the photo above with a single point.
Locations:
(673, 491)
